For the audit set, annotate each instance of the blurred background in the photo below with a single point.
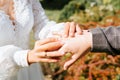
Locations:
(89, 14)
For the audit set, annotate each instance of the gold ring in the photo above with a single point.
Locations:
(45, 54)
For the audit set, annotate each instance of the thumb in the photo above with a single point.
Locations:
(73, 59)
(68, 64)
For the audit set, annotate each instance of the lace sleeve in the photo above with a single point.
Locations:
(40, 19)
(43, 27)
(8, 66)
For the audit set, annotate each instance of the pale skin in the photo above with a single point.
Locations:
(78, 46)
(44, 50)
(8, 7)
(70, 29)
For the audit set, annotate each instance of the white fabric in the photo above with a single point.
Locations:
(7, 64)
(51, 27)
(14, 39)
(21, 56)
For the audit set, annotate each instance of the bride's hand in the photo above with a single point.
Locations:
(44, 51)
(70, 30)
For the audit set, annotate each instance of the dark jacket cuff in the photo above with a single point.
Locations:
(99, 42)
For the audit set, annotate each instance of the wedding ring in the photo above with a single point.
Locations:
(45, 54)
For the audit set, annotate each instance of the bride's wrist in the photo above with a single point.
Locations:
(28, 57)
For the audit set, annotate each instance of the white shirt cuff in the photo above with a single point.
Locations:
(20, 57)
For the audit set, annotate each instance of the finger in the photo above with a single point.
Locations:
(64, 49)
(68, 64)
(52, 54)
(74, 58)
(41, 54)
(72, 29)
(50, 46)
(66, 29)
(45, 41)
(47, 60)
(78, 29)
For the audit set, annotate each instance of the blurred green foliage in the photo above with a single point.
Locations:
(89, 10)
(118, 77)
(71, 8)
(53, 14)
(115, 4)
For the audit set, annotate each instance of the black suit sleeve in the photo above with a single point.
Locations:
(106, 40)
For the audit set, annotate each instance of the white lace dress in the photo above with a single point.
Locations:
(14, 39)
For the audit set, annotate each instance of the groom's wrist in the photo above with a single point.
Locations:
(88, 36)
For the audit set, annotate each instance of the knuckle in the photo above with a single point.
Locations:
(67, 24)
(78, 25)
(36, 50)
(72, 23)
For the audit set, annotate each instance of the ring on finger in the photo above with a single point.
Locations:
(45, 54)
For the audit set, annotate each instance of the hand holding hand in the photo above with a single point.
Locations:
(42, 51)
